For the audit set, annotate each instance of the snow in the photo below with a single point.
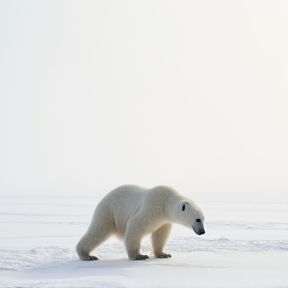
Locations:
(245, 245)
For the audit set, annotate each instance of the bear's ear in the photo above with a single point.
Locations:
(183, 206)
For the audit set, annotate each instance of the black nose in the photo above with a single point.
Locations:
(201, 232)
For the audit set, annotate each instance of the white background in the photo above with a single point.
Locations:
(95, 94)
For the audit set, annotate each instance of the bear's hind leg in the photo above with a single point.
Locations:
(95, 235)
(159, 239)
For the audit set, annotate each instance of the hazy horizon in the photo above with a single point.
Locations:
(191, 94)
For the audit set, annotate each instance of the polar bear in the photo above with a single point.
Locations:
(130, 212)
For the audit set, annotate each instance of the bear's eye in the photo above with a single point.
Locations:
(198, 220)
(183, 207)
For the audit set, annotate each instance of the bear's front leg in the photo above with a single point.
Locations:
(163, 255)
(159, 239)
(142, 257)
(132, 239)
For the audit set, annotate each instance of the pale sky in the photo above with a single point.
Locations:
(96, 94)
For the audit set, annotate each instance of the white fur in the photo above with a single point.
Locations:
(131, 212)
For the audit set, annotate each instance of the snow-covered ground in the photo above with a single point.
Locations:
(245, 245)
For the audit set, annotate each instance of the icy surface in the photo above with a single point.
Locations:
(245, 245)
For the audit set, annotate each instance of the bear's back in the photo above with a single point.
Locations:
(121, 204)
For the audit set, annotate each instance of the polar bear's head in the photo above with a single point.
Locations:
(191, 216)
